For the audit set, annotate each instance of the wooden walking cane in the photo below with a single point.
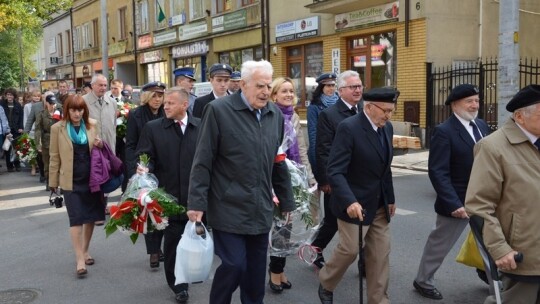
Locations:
(360, 244)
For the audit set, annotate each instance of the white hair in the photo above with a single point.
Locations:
(249, 67)
(342, 78)
(96, 77)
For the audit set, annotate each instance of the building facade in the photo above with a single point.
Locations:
(57, 51)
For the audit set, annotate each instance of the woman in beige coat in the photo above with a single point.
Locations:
(72, 139)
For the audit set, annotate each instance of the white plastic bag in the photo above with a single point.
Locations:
(194, 255)
(6, 144)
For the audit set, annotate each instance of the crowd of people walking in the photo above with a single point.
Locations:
(218, 155)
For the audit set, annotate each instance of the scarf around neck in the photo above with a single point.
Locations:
(329, 100)
(77, 138)
(290, 141)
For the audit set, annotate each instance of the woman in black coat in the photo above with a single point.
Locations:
(151, 108)
(15, 115)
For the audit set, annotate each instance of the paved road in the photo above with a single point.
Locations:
(35, 253)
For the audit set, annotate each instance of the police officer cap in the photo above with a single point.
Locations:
(87, 85)
(462, 91)
(188, 72)
(326, 78)
(155, 86)
(236, 75)
(220, 69)
(50, 99)
(385, 94)
(527, 96)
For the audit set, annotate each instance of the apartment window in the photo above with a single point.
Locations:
(161, 18)
(85, 36)
(77, 39)
(196, 9)
(122, 20)
(223, 5)
(143, 24)
(236, 58)
(59, 47)
(177, 7)
(248, 2)
(68, 42)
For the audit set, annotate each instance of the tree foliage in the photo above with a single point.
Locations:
(10, 70)
(28, 13)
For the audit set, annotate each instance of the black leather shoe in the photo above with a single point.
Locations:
(275, 288)
(428, 293)
(327, 297)
(182, 297)
(319, 261)
(161, 256)
(286, 285)
(154, 261)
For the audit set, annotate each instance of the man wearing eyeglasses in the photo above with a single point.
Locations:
(350, 92)
(362, 194)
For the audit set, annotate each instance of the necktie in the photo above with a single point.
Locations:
(475, 131)
(100, 100)
(354, 111)
(258, 113)
(382, 140)
(537, 143)
(180, 124)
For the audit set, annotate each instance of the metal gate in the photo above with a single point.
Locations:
(441, 80)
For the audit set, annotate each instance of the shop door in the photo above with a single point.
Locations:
(359, 59)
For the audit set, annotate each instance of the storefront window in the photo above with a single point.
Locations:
(157, 72)
(374, 58)
(237, 57)
(304, 65)
(194, 62)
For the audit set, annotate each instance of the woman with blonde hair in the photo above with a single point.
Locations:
(72, 140)
(151, 108)
(283, 94)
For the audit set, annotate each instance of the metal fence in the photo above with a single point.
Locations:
(441, 80)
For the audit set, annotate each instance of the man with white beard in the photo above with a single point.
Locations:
(449, 164)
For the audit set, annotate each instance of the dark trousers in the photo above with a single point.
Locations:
(277, 264)
(153, 241)
(172, 235)
(243, 263)
(41, 165)
(329, 226)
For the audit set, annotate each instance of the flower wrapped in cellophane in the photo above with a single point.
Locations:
(296, 229)
(143, 207)
(123, 109)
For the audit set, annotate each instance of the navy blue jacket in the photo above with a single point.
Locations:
(313, 112)
(450, 163)
(358, 170)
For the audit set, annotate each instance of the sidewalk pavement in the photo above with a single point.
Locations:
(413, 160)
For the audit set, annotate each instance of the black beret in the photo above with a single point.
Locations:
(326, 78)
(462, 91)
(50, 99)
(220, 69)
(87, 84)
(527, 96)
(155, 86)
(385, 94)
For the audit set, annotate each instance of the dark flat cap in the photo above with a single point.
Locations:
(385, 94)
(462, 91)
(326, 78)
(236, 75)
(220, 69)
(188, 72)
(50, 99)
(527, 96)
(155, 86)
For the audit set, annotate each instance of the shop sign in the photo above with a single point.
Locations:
(189, 31)
(164, 37)
(298, 29)
(370, 15)
(189, 50)
(144, 42)
(152, 56)
(234, 20)
(335, 60)
(177, 20)
(117, 48)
